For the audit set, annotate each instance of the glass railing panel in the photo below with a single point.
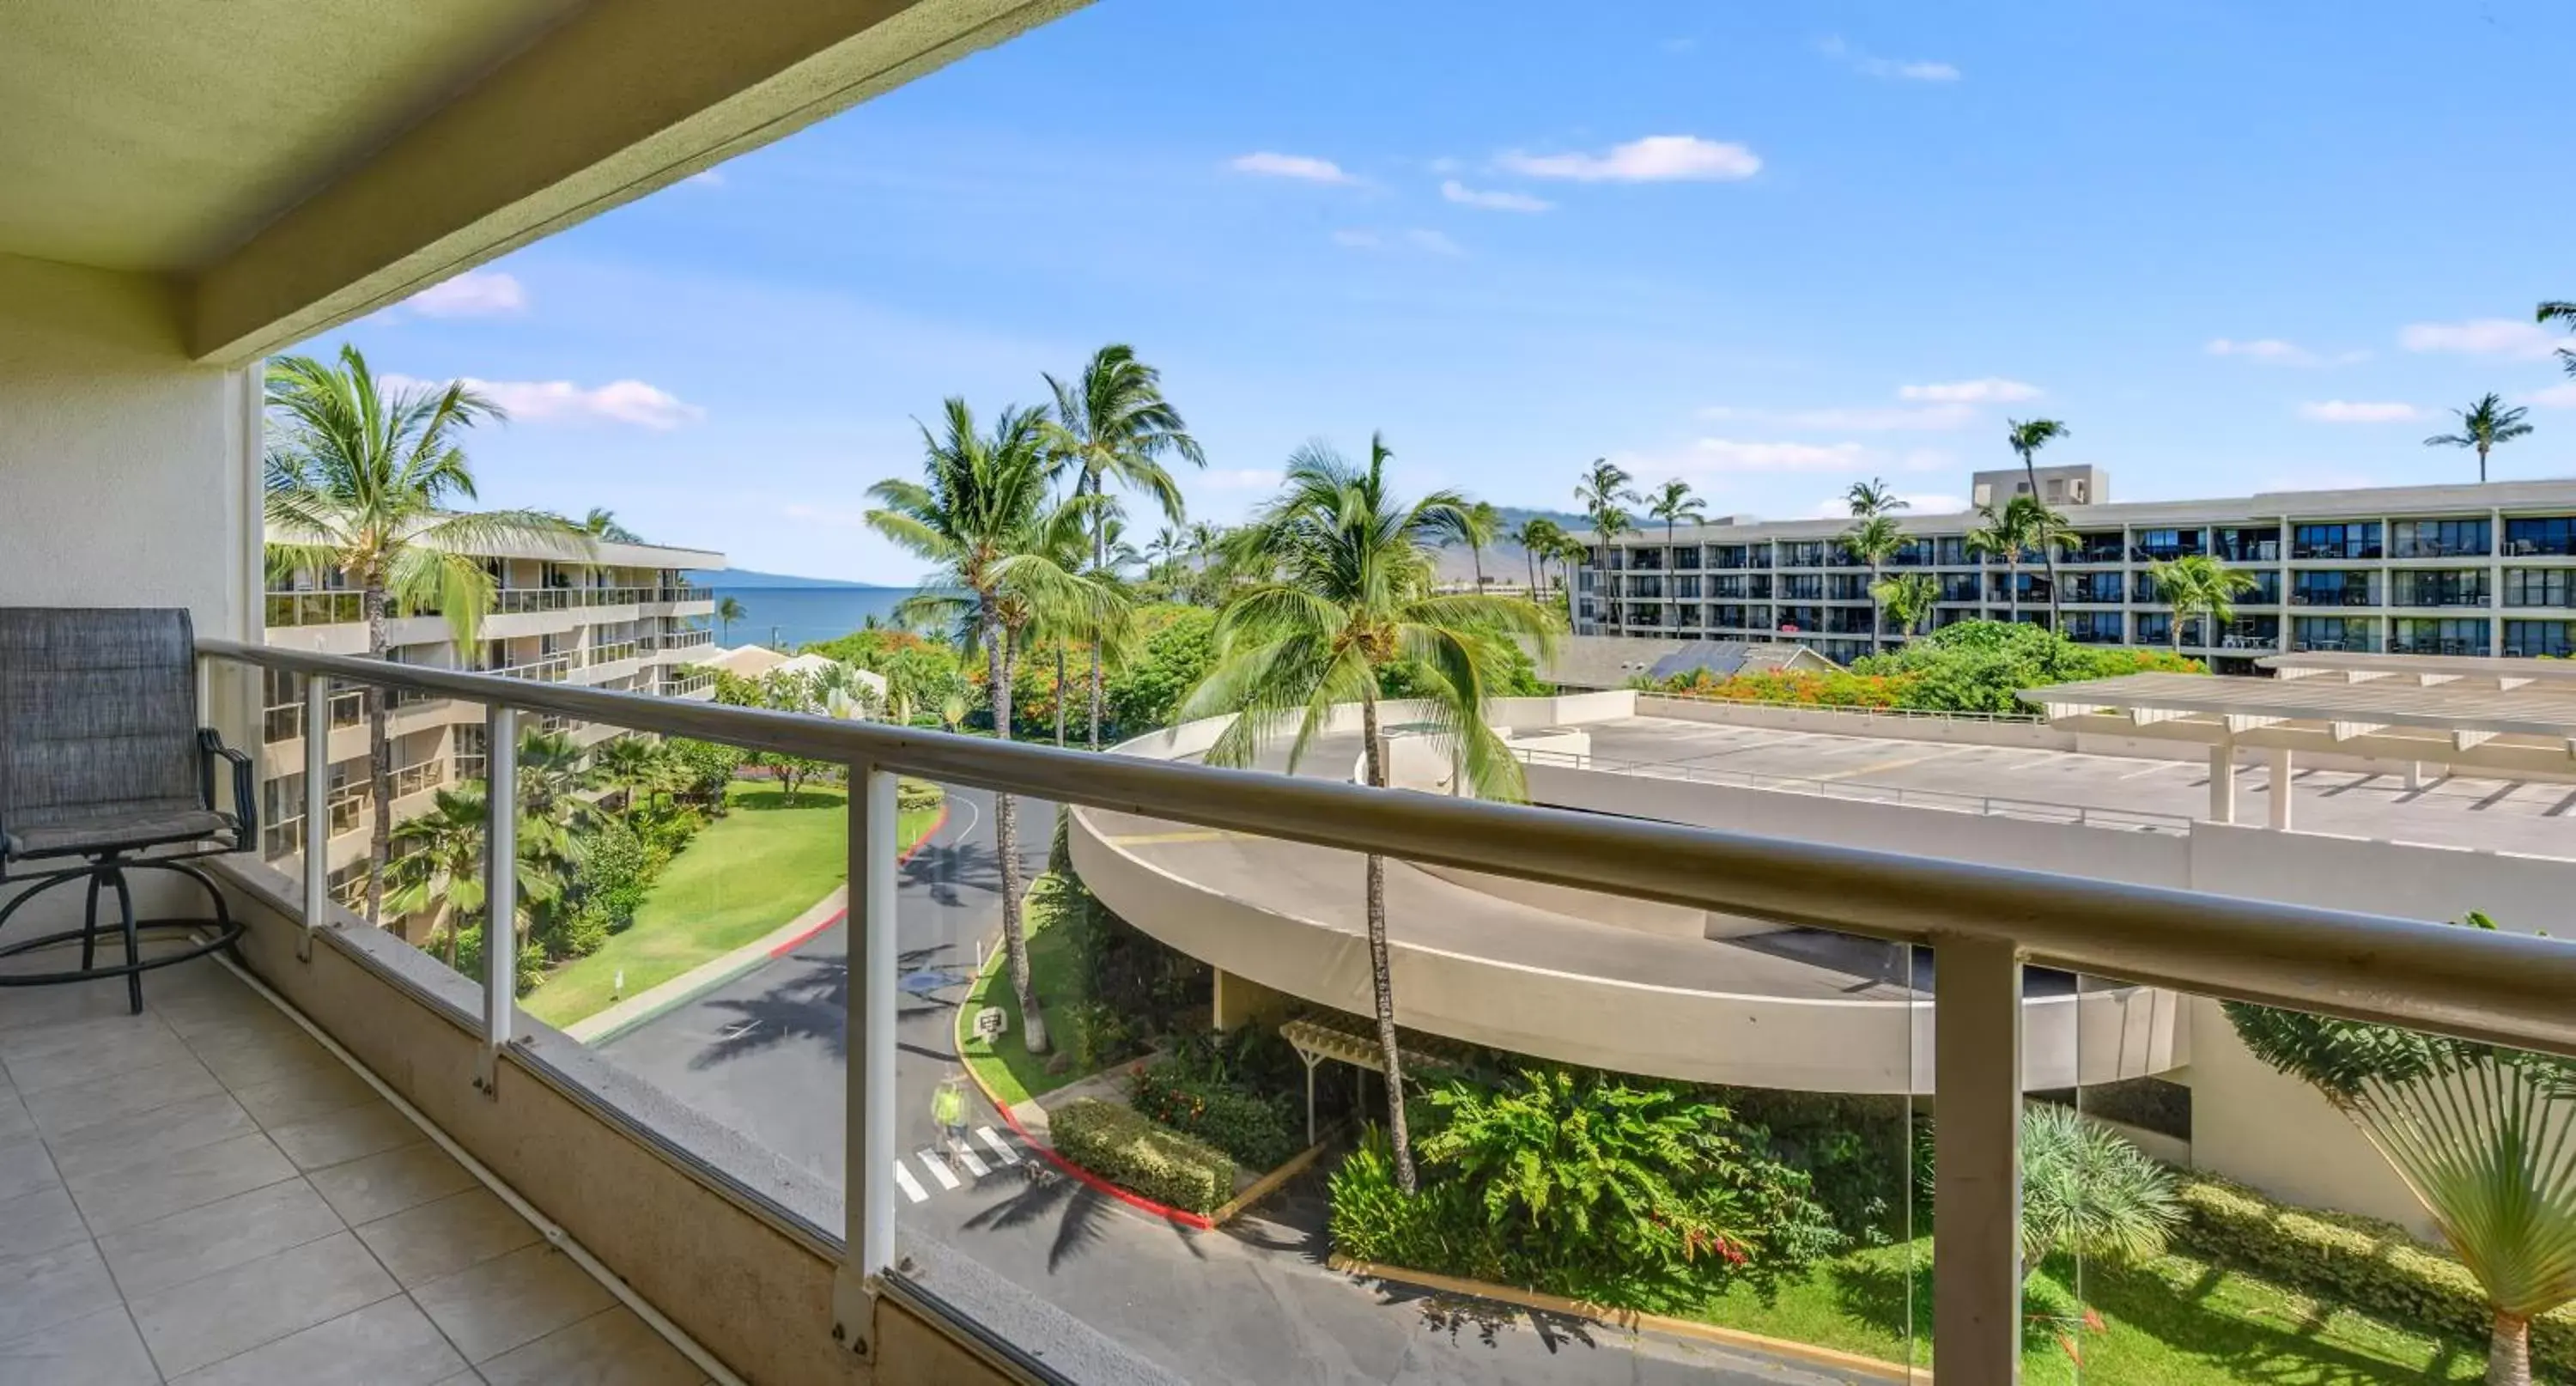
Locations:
(1211, 1055)
(2306, 1199)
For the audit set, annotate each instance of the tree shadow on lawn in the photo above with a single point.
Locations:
(1079, 1209)
(1898, 1301)
(811, 1003)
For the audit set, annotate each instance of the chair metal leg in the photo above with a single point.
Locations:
(133, 943)
(89, 923)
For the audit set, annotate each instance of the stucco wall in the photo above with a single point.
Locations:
(123, 474)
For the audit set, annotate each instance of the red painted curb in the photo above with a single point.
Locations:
(843, 913)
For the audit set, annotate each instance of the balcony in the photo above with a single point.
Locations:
(520, 601)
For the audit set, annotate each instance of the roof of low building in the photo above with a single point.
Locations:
(2417, 693)
(1610, 661)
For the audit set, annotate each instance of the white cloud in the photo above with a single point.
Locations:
(2358, 411)
(1654, 159)
(1493, 200)
(2271, 349)
(2480, 337)
(1989, 390)
(1242, 479)
(1865, 418)
(561, 401)
(1300, 166)
(707, 178)
(1419, 237)
(2557, 396)
(1736, 455)
(1911, 70)
(1444, 165)
(473, 294)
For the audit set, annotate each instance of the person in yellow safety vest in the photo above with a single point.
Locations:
(948, 1108)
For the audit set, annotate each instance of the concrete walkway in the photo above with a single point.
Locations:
(714, 972)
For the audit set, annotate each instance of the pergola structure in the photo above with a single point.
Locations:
(2508, 716)
(1353, 1040)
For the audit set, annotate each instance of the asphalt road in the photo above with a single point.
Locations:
(1105, 1294)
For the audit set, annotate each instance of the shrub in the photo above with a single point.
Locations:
(1852, 1146)
(1440, 1229)
(1130, 1150)
(1256, 1130)
(2372, 1266)
(912, 796)
(1973, 666)
(2086, 1190)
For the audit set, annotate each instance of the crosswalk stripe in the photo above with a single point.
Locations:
(966, 1157)
(911, 1187)
(938, 1168)
(1001, 1148)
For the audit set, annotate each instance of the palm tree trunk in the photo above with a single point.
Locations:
(1099, 560)
(380, 762)
(1006, 846)
(2012, 592)
(1099, 695)
(1532, 568)
(447, 922)
(2509, 1351)
(2482, 464)
(1059, 695)
(1877, 616)
(1476, 552)
(1381, 968)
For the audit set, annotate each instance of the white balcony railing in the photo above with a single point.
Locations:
(1983, 923)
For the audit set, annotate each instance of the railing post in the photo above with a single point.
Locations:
(317, 810)
(500, 892)
(868, 1181)
(1976, 1161)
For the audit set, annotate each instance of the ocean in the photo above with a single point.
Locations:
(785, 617)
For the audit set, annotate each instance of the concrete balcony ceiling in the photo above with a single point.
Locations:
(290, 167)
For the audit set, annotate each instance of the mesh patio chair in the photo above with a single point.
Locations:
(105, 770)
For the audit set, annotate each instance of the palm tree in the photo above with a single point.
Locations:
(2197, 583)
(1539, 538)
(2560, 310)
(1874, 541)
(1605, 496)
(441, 866)
(2087, 1191)
(1478, 525)
(1908, 597)
(361, 478)
(1872, 498)
(2003, 536)
(2483, 425)
(2485, 1138)
(1672, 503)
(601, 523)
(1347, 587)
(2027, 438)
(728, 611)
(630, 763)
(981, 516)
(1571, 553)
(1114, 424)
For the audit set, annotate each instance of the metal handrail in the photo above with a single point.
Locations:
(2499, 987)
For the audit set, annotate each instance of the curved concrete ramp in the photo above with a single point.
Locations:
(1572, 976)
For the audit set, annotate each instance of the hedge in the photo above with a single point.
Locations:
(1253, 1129)
(2372, 1266)
(1124, 1147)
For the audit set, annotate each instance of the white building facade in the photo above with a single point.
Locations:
(624, 619)
(2458, 570)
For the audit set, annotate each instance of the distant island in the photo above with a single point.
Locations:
(746, 579)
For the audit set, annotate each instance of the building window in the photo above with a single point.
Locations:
(2550, 534)
(2540, 587)
(2441, 539)
(2359, 540)
(2439, 588)
(2448, 635)
(2334, 633)
(2536, 639)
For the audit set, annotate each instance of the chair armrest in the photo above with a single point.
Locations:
(210, 744)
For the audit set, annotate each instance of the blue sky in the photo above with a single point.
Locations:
(1770, 249)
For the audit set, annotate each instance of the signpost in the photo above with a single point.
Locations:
(990, 1022)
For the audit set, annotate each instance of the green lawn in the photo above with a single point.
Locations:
(761, 865)
(1005, 1065)
(2176, 1321)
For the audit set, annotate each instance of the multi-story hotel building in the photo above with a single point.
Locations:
(2473, 570)
(623, 619)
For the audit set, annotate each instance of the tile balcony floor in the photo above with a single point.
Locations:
(201, 1194)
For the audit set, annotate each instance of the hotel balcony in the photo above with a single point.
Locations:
(329, 1155)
